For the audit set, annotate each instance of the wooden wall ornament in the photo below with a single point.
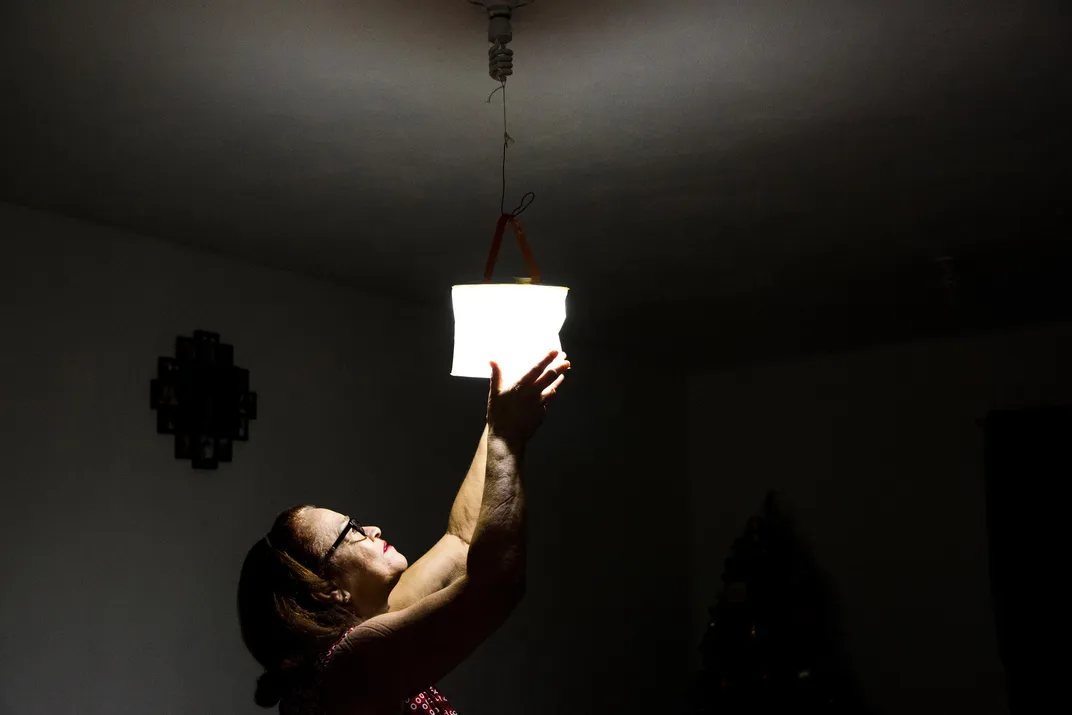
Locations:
(203, 398)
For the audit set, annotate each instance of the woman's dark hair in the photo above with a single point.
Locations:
(284, 625)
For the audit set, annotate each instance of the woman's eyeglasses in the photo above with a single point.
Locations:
(351, 524)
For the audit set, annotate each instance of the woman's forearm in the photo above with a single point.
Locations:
(497, 552)
(466, 508)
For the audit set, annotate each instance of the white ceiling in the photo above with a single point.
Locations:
(702, 150)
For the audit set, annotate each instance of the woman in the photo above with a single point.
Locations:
(343, 626)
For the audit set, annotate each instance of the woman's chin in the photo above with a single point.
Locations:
(397, 559)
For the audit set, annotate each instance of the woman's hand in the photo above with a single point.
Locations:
(516, 411)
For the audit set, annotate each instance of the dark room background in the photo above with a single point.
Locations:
(120, 562)
(811, 248)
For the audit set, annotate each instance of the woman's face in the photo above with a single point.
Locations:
(365, 567)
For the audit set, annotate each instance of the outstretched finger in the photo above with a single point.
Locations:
(537, 369)
(551, 375)
(550, 391)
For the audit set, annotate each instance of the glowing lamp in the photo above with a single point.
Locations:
(514, 324)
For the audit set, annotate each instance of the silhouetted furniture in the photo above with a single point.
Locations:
(1028, 468)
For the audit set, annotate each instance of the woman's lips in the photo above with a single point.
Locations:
(385, 547)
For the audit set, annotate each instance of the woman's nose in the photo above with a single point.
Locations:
(373, 531)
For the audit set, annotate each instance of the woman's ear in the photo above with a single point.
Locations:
(335, 595)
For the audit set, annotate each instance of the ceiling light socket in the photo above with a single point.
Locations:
(499, 13)
(500, 59)
(508, 4)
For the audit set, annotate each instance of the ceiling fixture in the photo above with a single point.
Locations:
(513, 324)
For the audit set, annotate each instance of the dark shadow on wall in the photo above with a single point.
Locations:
(774, 641)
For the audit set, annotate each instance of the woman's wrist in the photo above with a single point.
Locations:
(504, 445)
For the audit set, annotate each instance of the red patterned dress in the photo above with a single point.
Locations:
(307, 700)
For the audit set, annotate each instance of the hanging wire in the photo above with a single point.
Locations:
(507, 141)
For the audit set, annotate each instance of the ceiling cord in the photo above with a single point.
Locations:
(507, 141)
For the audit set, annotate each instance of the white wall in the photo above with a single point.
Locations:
(120, 563)
(880, 457)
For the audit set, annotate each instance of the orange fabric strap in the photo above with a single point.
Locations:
(496, 243)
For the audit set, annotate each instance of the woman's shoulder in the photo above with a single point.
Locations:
(344, 643)
(347, 695)
(308, 683)
(389, 657)
(342, 692)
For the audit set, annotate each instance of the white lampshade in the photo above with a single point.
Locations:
(514, 324)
